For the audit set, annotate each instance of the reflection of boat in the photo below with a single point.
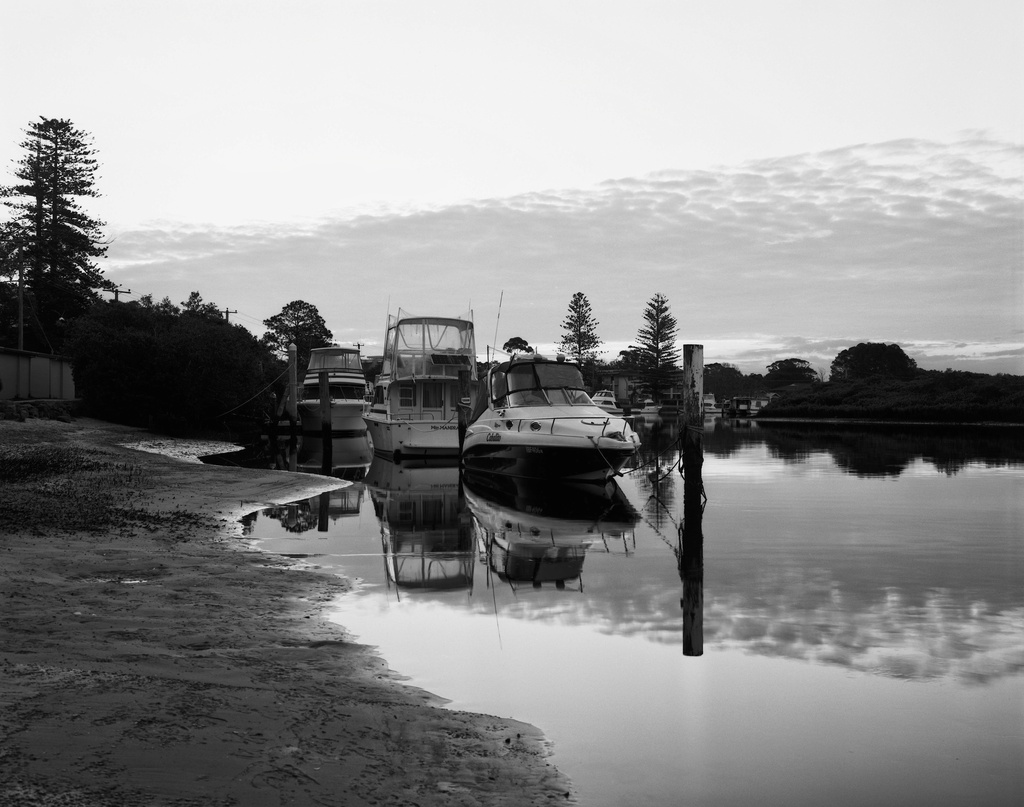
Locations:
(425, 541)
(350, 457)
(428, 365)
(533, 419)
(606, 400)
(536, 532)
(567, 507)
(316, 512)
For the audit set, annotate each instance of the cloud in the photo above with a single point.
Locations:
(911, 241)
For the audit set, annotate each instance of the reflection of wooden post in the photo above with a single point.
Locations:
(691, 572)
(324, 513)
(327, 460)
(691, 549)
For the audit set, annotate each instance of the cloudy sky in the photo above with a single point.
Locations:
(796, 176)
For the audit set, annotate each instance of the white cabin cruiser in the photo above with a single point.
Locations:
(429, 364)
(346, 386)
(533, 419)
(606, 400)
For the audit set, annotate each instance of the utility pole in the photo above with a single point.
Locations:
(118, 290)
(227, 314)
(21, 304)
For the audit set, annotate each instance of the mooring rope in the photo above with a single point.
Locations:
(254, 397)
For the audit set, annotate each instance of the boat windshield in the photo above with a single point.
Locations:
(430, 347)
(346, 392)
(530, 384)
(334, 359)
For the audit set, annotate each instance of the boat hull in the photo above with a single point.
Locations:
(346, 419)
(399, 440)
(546, 462)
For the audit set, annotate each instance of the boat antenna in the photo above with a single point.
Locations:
(498, 318)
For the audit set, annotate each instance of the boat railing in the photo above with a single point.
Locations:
(417, 416)
(587, 420)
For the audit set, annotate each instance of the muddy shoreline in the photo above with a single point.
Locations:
(148, 657)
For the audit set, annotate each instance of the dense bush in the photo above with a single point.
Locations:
(934, 396)
(172, 370)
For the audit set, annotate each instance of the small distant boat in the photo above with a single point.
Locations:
(709, 403)
(744, 406)
(533, 419)
(606, 400)
(429, 365)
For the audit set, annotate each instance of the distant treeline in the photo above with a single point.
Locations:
(931, 395)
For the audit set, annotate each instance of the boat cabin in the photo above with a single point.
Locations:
(345, 379)
(426, 362)
(536, 381)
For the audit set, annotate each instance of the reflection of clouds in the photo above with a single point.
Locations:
(938, 638)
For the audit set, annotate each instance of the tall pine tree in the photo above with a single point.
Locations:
(579, 331)
(656, 353)
(50, 239)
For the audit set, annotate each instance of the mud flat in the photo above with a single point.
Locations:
(148, 657)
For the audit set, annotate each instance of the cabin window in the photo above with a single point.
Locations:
(527, 397)
(407, 396)
(499, 387)
(568, 396)
(432, 395)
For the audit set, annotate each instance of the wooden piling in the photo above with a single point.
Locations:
(293, 406)
(691, 535)
(327, 460)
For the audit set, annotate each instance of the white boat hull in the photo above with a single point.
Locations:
(399, 440)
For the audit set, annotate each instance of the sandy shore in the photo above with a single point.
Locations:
(147, 657)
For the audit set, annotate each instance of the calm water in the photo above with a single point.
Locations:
(861, 631)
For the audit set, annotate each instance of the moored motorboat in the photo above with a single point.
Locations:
(533, 419)
(346, 390)
(606, 400)
(429, 364)
(748, 406)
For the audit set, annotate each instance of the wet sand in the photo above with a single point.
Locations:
(148, 657)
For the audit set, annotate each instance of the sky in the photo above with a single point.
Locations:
(796, 177)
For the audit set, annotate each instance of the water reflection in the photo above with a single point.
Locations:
(806, 551)
(426, 539)
(318, 511)
(853, 594)
(878, 450)
(535, 533)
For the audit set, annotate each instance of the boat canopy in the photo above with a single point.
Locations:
(334, 358)
(429, 347)
(537, 383)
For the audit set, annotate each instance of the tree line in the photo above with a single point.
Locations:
(186, 364)
(140, 361)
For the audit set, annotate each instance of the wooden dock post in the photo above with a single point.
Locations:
(327, 460)
(293, 406)
(691, 535)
